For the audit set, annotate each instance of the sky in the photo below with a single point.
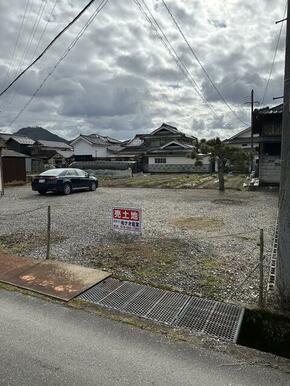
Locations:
(119, 79)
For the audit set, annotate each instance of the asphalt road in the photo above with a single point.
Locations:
(44, 343)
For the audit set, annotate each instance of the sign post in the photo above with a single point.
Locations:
(127, 219)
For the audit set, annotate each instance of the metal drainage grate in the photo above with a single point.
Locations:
(195, 315)
(98, 292)
(121, 296)
(167, 310)
(213, 318)
(142, 304)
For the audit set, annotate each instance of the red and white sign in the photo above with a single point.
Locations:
(127, 219)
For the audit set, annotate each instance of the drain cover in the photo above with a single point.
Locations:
(216, 319)
(168, 308)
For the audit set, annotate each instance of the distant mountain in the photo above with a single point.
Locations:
(39, 133)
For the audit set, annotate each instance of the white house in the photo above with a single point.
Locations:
(176, 157)
(243, 139)
(93, 146)
(165, 150)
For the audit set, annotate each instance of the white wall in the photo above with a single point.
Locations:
(28, 165)
(82, 147)
(101, 151)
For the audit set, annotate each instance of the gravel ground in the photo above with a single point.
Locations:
(199, 241)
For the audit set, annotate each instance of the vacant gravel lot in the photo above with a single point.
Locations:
(198, 241)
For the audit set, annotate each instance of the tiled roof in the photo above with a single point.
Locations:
(65, 153)
(22, 140)
(100, 139)
(95, 139)
(270, 110)
(115, 148)
(55, 144)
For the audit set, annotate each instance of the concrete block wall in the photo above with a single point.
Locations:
(269, 169)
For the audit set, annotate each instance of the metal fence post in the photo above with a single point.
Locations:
(261, 268)
(48, 231)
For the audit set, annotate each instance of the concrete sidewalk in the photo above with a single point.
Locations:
(53, 278)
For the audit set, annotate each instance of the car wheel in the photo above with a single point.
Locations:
(93, 185)
(42, 191)
(66, 189)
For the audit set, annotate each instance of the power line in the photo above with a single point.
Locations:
(274, 57)
(201, 65)
(18, 58)
(28, 45)
(15, 46)
(44, 29)
(102, 4)
(21, 55)
(49, 45)
(174, 54)
(33, 31)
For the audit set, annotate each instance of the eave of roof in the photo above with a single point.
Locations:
(11, 153)
(184, 146)
(269, 110)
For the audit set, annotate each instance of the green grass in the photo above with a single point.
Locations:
(19, 243)
(211, 280)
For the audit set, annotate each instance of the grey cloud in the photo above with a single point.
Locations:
(104, 99)
(119, 79)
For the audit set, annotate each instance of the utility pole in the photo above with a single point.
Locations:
(252, 133)
(252, 102)
(283, 266)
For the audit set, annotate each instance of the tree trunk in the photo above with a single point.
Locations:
(221, 175)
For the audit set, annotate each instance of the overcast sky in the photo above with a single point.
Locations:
(120, 80)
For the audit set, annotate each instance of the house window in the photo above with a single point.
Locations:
(160, 160)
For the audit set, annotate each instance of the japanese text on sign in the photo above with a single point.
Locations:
(127, 219)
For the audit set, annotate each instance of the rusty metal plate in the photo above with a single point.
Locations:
(12, 263)
(59, 280)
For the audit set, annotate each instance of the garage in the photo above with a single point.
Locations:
(14, 167)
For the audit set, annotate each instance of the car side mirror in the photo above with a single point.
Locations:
(87, 174)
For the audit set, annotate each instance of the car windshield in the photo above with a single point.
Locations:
(52, 172)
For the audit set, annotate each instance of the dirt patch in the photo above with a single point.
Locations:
(168, 263)
(19, 243)
(198, 223)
